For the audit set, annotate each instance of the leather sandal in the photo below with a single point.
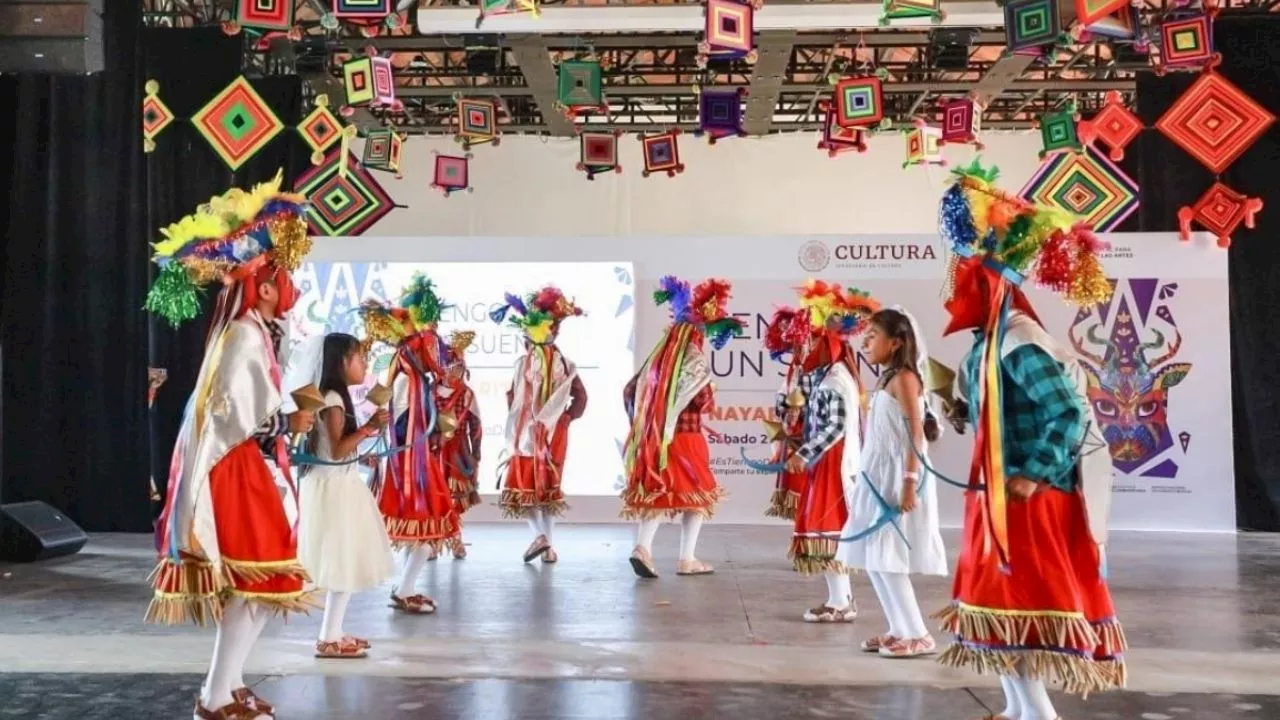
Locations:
(248, 697)
(873, 645)
(358, 641)
(694, 567)
(536, 549)
(340, 650)
(413, 604)
(550, 557)
(459, 549)
(642, 564)
(233, 710)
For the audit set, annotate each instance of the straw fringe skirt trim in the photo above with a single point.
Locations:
(530, 484)
(821, 516)
(434, 523)
(686, 485)
(785, 500)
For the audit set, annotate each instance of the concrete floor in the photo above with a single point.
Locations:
(585, 638)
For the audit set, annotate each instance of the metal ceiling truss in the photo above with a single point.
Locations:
(651, 77)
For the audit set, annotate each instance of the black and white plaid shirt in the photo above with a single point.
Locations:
(826, 417)
(278, 424)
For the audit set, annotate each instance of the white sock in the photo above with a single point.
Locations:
(535, 522)
(1013, 700)
(230, 647)
(645, 533)
(260, 618)
(413, 564)
(1036, 704)
(903, 598)
(839, 591)
(335, 608)
(691, 526)
(886, 604)
(548, 524)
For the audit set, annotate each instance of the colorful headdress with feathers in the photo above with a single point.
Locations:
(831, 309)
(705, 307)
(420, 308)
(224, 241)
(1019, 239)
(538, 315)
(786, 332)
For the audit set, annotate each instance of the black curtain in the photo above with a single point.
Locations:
(192, 66)
(1169, 178)
(75, 272)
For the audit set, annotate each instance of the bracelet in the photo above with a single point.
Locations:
(911, 475)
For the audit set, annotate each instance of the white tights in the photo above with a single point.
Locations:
(898, 598)
(239, 629)
(690, 527)
(541, 523)
(839, 589)
(414, 561)
(335, 608)
(1026, 699)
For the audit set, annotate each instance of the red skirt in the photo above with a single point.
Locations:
(258, 546)
(534, 482)
(418, 515)
(821, 514)
(1050, 608)
(687, 484)
(457, 463)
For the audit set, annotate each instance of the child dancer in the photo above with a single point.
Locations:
(227, 547)
(546, 395)
(1030, 599)
(899, 422)
(414, 495)
(783, 340)
(668, 463)
(461, 448)
(342, 541)
(829, 453)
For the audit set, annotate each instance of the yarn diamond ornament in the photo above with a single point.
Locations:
(477, 122)
(1087, 185)
(156, 116)
(342, 201)
(1031, 24)
(1058, 132)
(720, 114)
(384, 81)
(859, 102)
(265, 14)
(662, 153)
(1123, 24)
(382, 147)
(1221, 211)
(835, 139)
(580, 87)
(1187, 43)
(320, 129)
(598, 152)
(492, 8)
(452, 174)
(237, 122)
(961, 122)
(362, 11)
(924, 146)
(1214, 121)
(357, 77)
(1091, 11)
(1114, 125)
(729, 32)
(908, 9)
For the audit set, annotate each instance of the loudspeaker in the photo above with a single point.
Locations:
(31, 531)
(51, 37)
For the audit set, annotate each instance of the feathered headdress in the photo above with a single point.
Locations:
(420, 308)
(538, 315)
(705, 307)
(786, 332)
(226, 240)
(1018, 239)
(422, 303)
(834, 310)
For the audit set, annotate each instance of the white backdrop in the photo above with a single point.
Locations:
(1179, 470)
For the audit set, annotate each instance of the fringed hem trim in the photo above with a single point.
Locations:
(815, 555)
(640, 506)
(517, 503)
(468, 501)
(783, 504)
(411, 534)
(280, 604)
(1084, 657)
(255, 573)
(179, 609)
(190, 590)
(1077, 674)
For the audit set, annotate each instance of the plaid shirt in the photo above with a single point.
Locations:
(278, 424)
(1043, 419)
(826, 418)
(690, 417)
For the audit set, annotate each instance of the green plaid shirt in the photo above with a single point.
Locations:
(1043, 419)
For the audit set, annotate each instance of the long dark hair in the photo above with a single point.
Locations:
(333, 374)
(896, 326)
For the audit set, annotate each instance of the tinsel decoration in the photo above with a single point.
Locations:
(380, 325)
(420, 299)
(173, 296)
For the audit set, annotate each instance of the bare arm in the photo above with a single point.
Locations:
(906, 388)
(343, 445)
(578, 403)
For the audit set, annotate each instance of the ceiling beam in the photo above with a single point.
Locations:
(534, 60)
(689, 127)
(774, 48)
(614, 91)
(653, 41)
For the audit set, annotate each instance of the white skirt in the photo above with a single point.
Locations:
(342, 538)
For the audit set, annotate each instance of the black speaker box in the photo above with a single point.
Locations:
(41, 36)
(31, 531)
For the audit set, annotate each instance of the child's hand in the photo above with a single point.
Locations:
(909, 500)
(379, 419)
(301, 422)
(795, 463)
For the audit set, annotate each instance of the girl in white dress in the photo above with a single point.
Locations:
(899, 421)
(342, 541)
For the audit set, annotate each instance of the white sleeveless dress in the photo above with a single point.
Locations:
(342, 540)
(884, 461)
